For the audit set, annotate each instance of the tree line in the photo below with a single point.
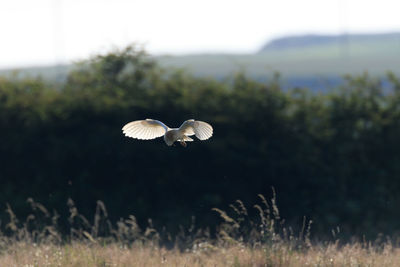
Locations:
(332, 157)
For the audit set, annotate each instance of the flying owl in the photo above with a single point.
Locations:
(151, 129)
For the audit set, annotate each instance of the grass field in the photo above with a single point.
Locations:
(86, 254)
(238, 241)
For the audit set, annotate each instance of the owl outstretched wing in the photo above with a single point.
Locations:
(200, 129)
(145, 129)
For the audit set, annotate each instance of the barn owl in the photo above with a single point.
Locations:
(151, 129)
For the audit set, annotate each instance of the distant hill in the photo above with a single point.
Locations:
(343, 40)
(314, 61)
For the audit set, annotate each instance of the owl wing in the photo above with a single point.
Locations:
(145, 129)
(201, 129)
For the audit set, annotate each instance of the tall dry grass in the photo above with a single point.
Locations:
(239, 241)
(114, 254)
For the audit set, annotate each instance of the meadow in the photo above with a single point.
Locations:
(83, 254)
(266, 243)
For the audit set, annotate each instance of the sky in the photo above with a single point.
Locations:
(48, 32)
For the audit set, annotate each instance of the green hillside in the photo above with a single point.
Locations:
(51, 73)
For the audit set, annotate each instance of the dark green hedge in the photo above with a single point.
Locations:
(332, 157)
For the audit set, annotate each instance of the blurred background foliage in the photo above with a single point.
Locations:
(333, 157)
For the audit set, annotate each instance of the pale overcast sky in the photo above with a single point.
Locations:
(41, 32)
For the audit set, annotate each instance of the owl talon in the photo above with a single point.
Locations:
(183, 143)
